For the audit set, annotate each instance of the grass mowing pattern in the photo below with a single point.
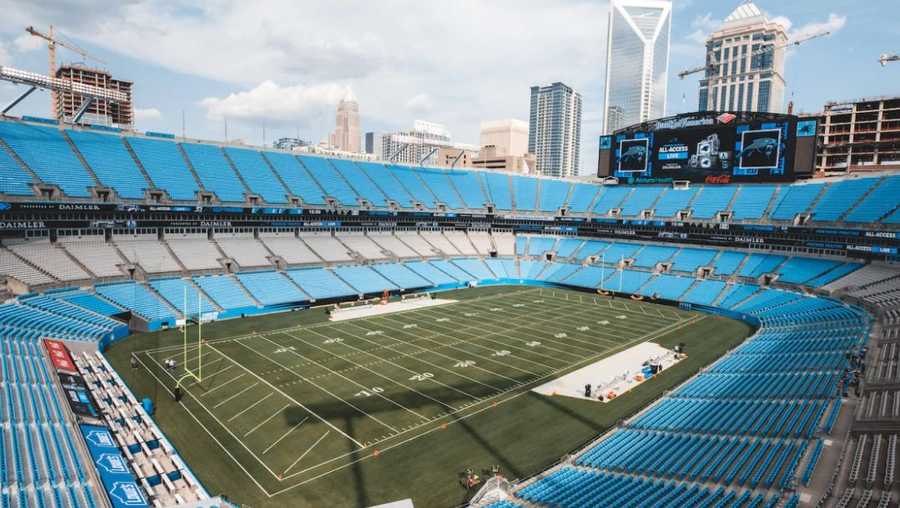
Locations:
(366, 411)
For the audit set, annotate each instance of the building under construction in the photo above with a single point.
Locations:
(861, 135)
(100, 112)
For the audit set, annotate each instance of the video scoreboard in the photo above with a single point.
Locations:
(711, 148)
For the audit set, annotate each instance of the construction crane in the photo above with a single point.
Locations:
(52, 41)
(885, 58)
(714, 65)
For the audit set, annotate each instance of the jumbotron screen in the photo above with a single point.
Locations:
(708, 148)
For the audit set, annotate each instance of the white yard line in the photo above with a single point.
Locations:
(239, 441)
(295, 401)
(385, 360)
(379, 395)
(225, 383)
(416, 358)
(260, 424)
(251, 406)
(229, 399)
(292, 429)
(306, 452)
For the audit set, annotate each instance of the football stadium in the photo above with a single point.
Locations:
(706, 322)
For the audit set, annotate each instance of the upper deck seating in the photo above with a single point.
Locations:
(111, 162)
(214, 171)
(296, 177)
(166, 167)
(46, 152)
(258, 175)
(330, 180)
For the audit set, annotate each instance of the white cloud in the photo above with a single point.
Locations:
(147, 114)
(5, 59)
(28, 42)
(783, 21)
(419, 104)
(833, 24)
(471, 68)
(273, 103)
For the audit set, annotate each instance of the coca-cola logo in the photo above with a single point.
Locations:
(718, 179)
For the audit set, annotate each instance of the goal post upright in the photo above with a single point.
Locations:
(195, 373)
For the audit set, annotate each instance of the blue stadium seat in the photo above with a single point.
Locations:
(641, 199)
(295, 176)
(225, 290)
(470, 188)
(878, 203)
(666, 286)
(840, 197)
(752, 201)
(258, 175)
(704, 292)
(182, 296)
(499, 189)
(439, 184)
(689, 260)
(711, 200)
(166, 167)
(728, 262)
(673, 201)
(330, 180)
(320, 283)
(364, 279)
(553, 194)
(610, 197)
(271, 288)
(49, 155)
(214, 171)
(14, 179)
(524, 192)
(757, 265)
(433, 274)
(795, 199)
(111, 162)
(389, 185)
(410, 181)
(358, 179)
(582, 197)
(798, 270)
(137, 298)
(401, 276)
(650, 255)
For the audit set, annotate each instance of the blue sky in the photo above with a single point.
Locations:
(284, 64)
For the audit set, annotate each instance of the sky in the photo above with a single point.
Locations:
(277, 68)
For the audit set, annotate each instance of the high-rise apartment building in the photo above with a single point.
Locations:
(637, 62)
(554, 129)
(346, 133)
(745, 64)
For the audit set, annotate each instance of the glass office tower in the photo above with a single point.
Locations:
(637, 62)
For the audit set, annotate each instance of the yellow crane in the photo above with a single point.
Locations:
(52, 41)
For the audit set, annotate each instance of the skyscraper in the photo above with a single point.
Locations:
(637, 62)
(346, 133)
(554, 129)
(735, 80)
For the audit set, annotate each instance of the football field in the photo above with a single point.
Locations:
(291, 406)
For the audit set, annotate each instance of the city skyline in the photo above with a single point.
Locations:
(288, 85)
(554, 129)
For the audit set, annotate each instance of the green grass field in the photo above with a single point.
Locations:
(294, 410)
